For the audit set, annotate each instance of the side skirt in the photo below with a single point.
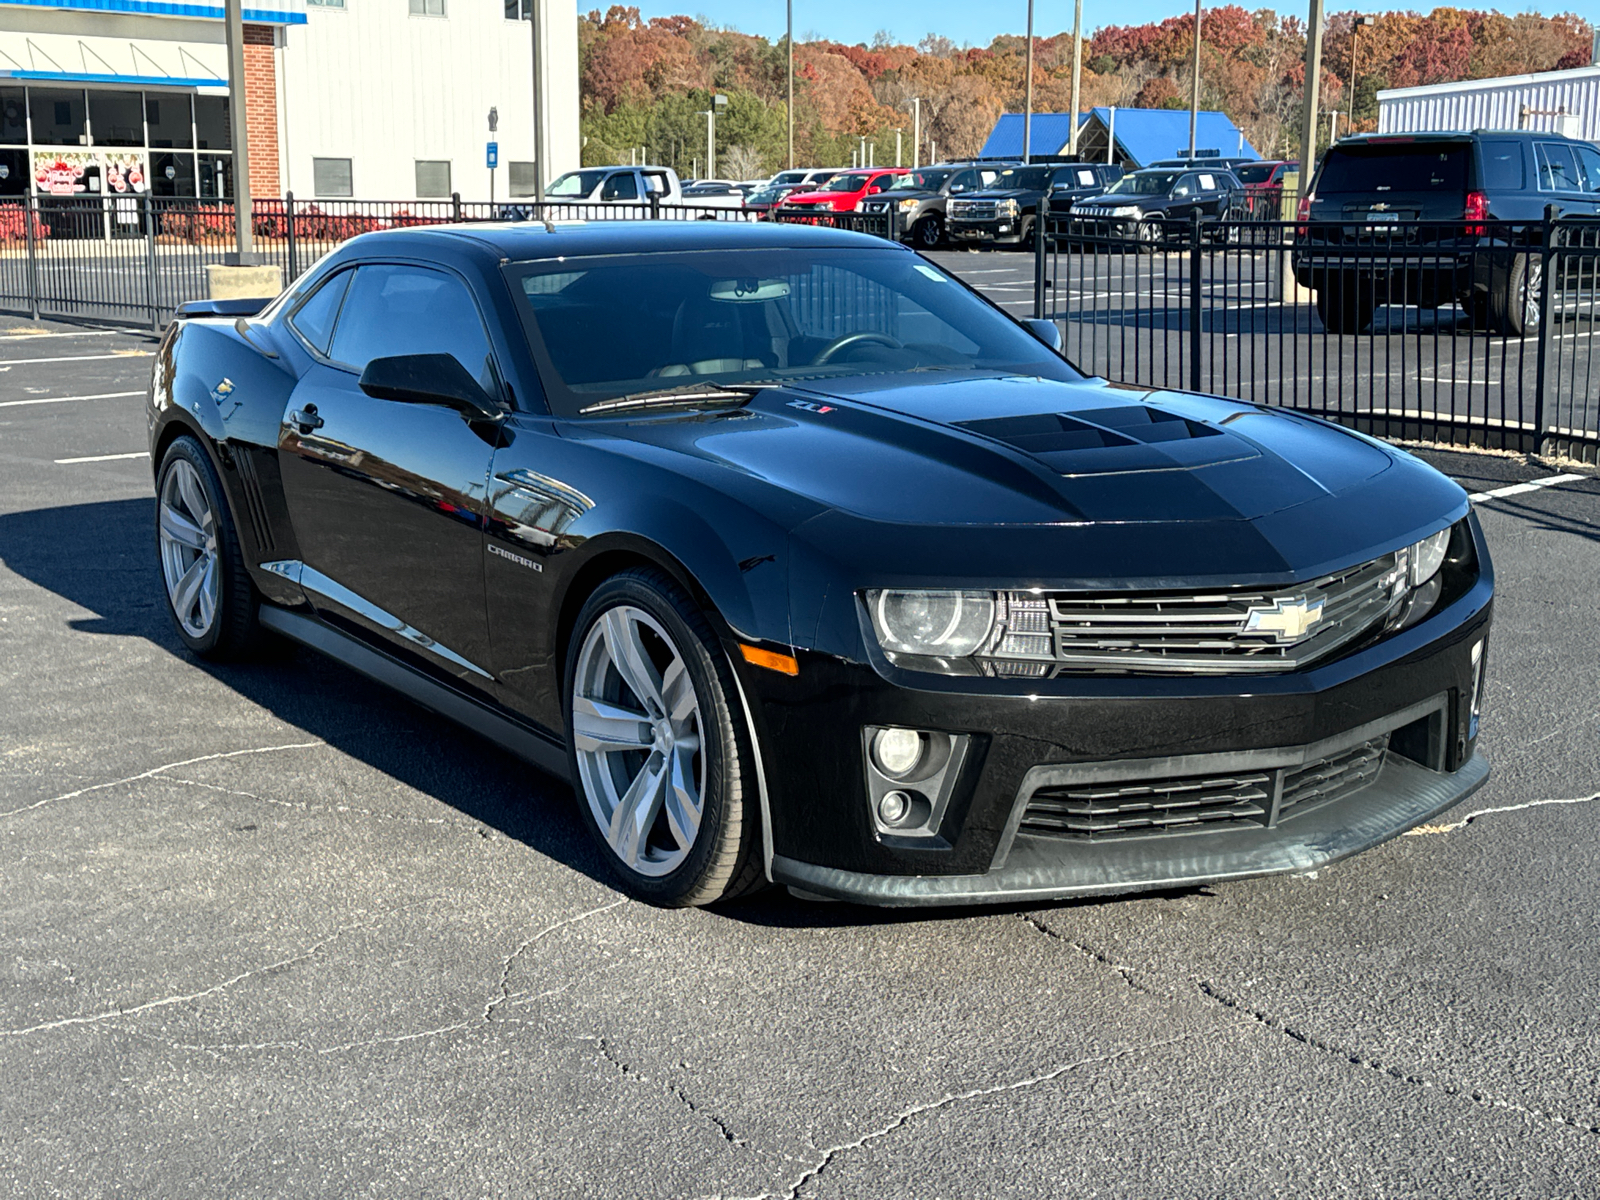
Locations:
(543, 752)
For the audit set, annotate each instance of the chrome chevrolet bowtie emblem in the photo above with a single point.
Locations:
(1285, 620)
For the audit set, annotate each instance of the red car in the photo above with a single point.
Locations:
(845, 191)
(1263, 186)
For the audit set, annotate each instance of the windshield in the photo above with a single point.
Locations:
(767, 195)
(1259, 173)
(852, 182)
(575, 183)
(786, 177)
(619, 325)
(1405, 167)
(1035, 179)
(1153, 183)
(921, 181)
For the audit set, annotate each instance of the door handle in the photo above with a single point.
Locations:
(306, 419)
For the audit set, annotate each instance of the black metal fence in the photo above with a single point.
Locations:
(1463, 333)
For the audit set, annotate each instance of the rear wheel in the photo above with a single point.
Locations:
(212, 602)
(661, 754)
(1345, 306)
(1512, 304)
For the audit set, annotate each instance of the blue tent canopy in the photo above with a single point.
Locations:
(1144, 135)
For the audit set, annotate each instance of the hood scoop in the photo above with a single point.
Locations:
(1123, 438)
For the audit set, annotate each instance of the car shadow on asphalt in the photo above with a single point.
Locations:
(101, 557)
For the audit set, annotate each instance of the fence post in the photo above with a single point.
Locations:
(288, 216)
(1194, 301)
(1545, 258)
(151, 293)
(1041, 238)
(29, 216)
(455, 207)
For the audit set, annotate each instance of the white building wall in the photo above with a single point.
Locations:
(1498, 104)
(384, 89)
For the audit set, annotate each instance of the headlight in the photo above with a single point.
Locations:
(1126, 210)
(1006, 208)
(907, 205)
(1427, 556)
(939, 624)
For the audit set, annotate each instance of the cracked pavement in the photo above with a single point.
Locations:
(269, 931)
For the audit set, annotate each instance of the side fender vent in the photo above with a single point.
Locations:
(255, 508)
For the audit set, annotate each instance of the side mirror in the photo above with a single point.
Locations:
(875, 189)
(1178, 193)
(429, 379)
(1047, 332)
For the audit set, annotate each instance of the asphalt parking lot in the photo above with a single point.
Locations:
(271, 932)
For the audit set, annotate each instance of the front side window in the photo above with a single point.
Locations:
(394, 309)
(621, 186)
(313, 319)
(617, 325)
(1558, 169)
(1589, 164)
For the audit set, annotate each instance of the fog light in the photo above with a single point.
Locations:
(898, 752)
(893, 808)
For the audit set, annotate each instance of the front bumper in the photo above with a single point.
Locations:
(1007, 230)
(1416, 684)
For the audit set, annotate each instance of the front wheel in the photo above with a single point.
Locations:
(212, 602)
(660, 750)
(928, 233)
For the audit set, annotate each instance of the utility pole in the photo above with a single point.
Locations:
(535, 34)
(1194, 94)
(916, 131)
(897, 146)
(244, 254)
(1027, 91)
(1077, 69)
(1310, 108)
(789, 6)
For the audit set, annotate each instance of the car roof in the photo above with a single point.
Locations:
(1448, 135)
(519, 241)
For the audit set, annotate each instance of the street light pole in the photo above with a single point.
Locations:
(1027, 100)
(1310, 108)
(1194, 94)
(789, 7)
(244, 234)
(916, 131)
(1077, 69)
(534, 32)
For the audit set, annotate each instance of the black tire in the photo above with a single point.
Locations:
(723, 861)
(928, 233)
(1345, 306)
(1026, 235)
(1512, 304)
(235, 629)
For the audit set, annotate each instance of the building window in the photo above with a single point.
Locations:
(59, 118)
(116, 118)
(427, 8)
(519, 10)
(169, 120)
(433, 179)
(522, 178)
(331, 177)
(324, 3)
(211, 123)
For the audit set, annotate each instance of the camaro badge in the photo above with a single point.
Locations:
(1286, 620)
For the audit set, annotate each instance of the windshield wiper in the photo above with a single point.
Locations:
(689, 393)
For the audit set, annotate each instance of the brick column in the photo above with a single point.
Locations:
(261, 109)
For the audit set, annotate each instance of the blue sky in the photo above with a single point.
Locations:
(962, 21)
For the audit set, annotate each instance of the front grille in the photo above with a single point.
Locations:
(972, 210)
(1180, 804)
(1224, 632)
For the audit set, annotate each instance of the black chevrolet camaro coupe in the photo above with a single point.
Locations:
(804, 563)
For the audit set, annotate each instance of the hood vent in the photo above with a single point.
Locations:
(1076, 443)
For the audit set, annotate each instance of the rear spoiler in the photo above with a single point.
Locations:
(221, 308)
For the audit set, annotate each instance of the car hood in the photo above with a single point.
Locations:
(810, 197)
(1118, 199)
(1001, 194)
(1003, 471)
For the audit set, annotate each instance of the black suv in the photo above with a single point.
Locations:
(921, 197)
(1158, 205)
(1005, 212)
(1439, 218)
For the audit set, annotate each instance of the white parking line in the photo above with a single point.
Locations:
(13, 362)
(62, 462)
(1517, 489)
(69, 399)
(44, 333)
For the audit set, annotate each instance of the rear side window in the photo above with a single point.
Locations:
(1558, 170)
(394, 309)
(313, 320)
(1501, 164)
(1407, 167)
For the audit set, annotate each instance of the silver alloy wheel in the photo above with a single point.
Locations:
(637, 731)
(1532, 285)
(188, 534)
